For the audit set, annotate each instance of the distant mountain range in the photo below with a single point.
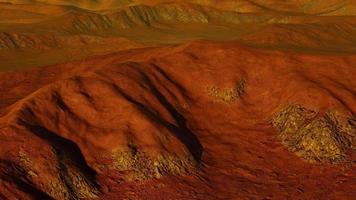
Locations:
(319, 7)
(58, 29)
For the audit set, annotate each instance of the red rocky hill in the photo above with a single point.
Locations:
(204, 120)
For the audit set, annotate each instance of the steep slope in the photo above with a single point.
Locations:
(151, 123)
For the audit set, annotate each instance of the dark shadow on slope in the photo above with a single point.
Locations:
(27, 188)
(180, 129)
(69, 156)
(14, 174)
(183, 91)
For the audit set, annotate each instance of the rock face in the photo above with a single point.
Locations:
(151, 123)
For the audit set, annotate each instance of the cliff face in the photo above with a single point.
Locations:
(218, 123)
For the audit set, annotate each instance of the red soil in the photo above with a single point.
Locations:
(75, 114)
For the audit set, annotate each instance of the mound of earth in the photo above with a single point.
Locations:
(203, 120)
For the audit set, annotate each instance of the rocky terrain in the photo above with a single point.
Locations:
(177, 100)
